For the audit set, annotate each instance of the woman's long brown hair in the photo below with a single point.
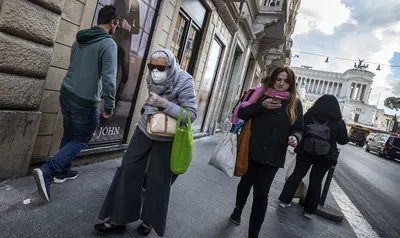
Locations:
(268, 82)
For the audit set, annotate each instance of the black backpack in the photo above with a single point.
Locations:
(317, 138)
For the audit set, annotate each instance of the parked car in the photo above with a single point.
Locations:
(358, 135)
(370, 136)
(385, 146)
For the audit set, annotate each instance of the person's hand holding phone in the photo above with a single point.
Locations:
(272, 103)
(126, 25)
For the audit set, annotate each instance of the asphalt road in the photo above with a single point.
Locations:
(373, 185)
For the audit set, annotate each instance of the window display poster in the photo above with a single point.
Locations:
(132, 39)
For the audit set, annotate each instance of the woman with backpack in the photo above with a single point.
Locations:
(323, 129)
(276, 122)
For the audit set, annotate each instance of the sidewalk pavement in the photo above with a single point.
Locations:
(200, 205)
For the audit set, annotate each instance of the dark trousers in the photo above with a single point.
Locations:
(79, 125)
(319, 168)
(123, 65)
(259, 177)
(123, 200)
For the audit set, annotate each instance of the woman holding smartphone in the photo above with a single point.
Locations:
(276, 122)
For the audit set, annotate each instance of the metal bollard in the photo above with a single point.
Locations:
(326, 186)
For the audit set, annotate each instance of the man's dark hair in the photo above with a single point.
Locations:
(107, 14)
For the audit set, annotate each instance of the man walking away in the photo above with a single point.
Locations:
(90, 77)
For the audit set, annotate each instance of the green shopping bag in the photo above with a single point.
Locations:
(182, 147)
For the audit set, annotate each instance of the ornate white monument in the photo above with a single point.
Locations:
(352, 89)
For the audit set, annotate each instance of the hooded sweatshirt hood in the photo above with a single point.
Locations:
(326, 108)
(91, 35)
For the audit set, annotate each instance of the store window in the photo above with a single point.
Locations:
(133, 46)
(207, 84)
(187, 34)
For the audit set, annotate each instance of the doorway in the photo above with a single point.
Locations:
(207, 84)
(231, 88)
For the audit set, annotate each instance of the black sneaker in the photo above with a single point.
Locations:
(235, 217)
(70, 175)
(43, 183)
(144, 229)
(109, 227)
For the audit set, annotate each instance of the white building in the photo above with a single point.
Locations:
(351, 88)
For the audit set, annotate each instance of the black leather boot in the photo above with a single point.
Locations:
(236, 216)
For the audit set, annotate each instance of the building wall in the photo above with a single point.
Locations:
(28, 42)
(76, 15)
(36, 39)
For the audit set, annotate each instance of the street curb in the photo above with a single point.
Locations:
(327, 212)
(330, 213)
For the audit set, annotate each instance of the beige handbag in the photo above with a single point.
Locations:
(160, 124)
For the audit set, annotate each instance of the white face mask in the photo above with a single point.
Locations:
(158, 77)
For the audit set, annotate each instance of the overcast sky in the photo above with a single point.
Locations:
(365, 29)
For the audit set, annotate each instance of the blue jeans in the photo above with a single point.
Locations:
(80, 123)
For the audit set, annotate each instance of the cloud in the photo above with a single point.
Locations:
(364, 29)
(330, 14)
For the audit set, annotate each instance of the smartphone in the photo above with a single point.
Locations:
(277, 99)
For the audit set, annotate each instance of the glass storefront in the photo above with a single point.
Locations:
(133, 43)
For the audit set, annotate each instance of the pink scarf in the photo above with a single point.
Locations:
(257, 90)
(273, 93)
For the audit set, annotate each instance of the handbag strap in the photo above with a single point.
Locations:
(189, 123)
(178, 124)
(166, 124)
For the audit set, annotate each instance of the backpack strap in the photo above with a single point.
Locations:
(318, 123)
(315, 121)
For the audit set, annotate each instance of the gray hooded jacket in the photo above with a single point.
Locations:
(178, 89)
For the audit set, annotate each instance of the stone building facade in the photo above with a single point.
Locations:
(227, 45)
(352, 89)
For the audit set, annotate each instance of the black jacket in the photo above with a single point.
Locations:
(338, 133)
(270, 130)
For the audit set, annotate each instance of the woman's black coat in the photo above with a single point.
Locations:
(270, 130)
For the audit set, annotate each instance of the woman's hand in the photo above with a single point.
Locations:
(292, 141)
(270, 104)
(157, 101)
(126, 25)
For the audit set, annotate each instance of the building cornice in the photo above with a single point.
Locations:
(225, 13)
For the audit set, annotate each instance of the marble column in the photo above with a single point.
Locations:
(337, 89)
(358, 92)
(363, 90)
(316, 85)
(313, 86)
(321, 87)
(327, 88)
(331, 89)
(352, 89)
(366, 96)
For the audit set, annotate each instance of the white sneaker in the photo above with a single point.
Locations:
(307, 215)
(282, 204)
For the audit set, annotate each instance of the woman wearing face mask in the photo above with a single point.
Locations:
(169, 89)
(276, 122)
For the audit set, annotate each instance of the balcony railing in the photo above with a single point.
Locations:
(270, 3)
